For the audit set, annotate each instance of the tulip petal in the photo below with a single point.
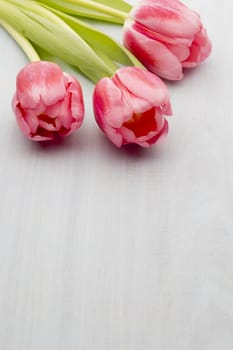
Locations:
(22, 123)
(128, 135)
(178, 46)
(114, 135)
(53, 111)
(163, 132)
(185, 41)
(109, 106)
(168, 17)
(135, 104)
(40, 81)
(167, 108)
(46, 122)
(180, 51)
(76, 98)
(200, 49)
(143, 85)
(155, 56)
(43, 135)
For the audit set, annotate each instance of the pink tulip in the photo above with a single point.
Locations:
(47, 102)
(130, 107)
(166, 36)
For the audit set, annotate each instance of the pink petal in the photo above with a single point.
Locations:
(45, 137)
(163, 132)
(108, 103)
(178, 46)
(136, 104)
(143, 85)
(24, 127)
(167, 109)
(76, 98)
(40, 80)
(168, 17)
(48, 126)
(158, 36)
(54, 110)
(181, 52)
(114, 136)
(31, 119)
(155, 56)
(65, 113)
(199, 50)
(58, 123)
(127, 135)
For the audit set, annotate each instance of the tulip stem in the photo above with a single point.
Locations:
(92, 5)
(96, 6)
(25, 44)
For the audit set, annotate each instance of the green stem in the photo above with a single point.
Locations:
(101, 7)
(104, 9)
(92, 5)
(46, 30)
(25, 44)
(74, 9)
(102, 44)
(121, 5)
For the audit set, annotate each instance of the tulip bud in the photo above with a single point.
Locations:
(130, 107)
(166, 36)
(47, 102)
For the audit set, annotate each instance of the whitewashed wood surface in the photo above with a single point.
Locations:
(107, 249)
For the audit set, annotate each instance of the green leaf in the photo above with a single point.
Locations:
(100, 42)
(23, 42)
(89, 7)
(48, 31)
(80, 11)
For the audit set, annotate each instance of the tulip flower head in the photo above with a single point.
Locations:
(47, 102)
(166, 36)
(130, 107)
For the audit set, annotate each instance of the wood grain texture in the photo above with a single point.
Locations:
(111, 249)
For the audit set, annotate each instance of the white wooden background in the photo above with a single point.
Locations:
(107, 249)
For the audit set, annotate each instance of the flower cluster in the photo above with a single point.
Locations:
(130, 101)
